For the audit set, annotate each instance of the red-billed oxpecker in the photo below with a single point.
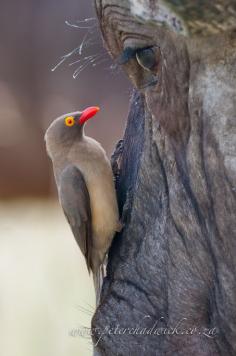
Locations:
(85, 186)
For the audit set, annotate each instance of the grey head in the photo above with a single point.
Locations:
(67, 129)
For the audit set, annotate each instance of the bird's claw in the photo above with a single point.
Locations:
(120, 226)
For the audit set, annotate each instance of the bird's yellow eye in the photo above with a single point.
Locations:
(69, 121)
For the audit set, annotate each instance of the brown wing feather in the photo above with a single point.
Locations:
(74, 199)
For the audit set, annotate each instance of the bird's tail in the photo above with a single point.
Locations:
(98, 276)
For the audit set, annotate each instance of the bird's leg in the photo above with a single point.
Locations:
(125, 211)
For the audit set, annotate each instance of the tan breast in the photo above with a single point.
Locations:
(96, 169)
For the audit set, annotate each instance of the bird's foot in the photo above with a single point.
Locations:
(119, 226)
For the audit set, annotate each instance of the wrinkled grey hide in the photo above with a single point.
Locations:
(172, 269)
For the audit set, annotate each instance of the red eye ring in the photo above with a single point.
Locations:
(69, 121)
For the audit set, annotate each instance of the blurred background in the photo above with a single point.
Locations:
(45, 289)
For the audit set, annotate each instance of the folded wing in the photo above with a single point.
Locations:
(74, 199)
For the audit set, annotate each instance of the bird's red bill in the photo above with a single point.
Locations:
(88, 114)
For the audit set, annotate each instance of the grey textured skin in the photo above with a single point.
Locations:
(174, 262)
